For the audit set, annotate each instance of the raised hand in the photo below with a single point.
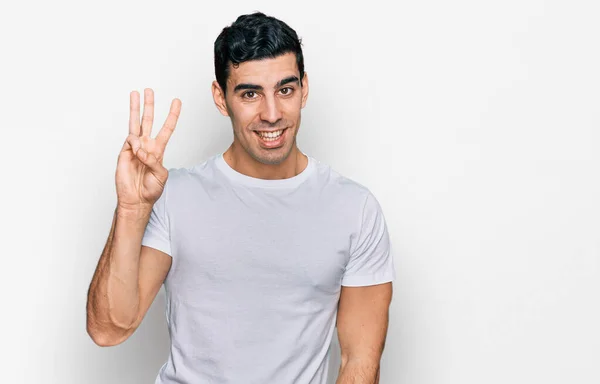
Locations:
(140, 176)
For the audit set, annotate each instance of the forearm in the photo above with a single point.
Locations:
(359, 372)
(113, 297)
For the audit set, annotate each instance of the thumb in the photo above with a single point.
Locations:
(151, 162)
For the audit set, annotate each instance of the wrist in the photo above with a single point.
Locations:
(133, 213)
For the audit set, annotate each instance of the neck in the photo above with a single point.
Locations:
(242, 162)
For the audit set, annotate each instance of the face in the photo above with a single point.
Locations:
(264, 96)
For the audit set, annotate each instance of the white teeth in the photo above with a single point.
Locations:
(272, 135)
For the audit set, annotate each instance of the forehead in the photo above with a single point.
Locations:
(265, 72)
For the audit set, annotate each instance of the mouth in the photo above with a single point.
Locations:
(271, 139)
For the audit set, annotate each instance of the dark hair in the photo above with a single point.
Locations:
(253, 37)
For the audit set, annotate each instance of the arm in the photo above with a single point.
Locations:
(128, 276)
(126, 281)
(362, 324)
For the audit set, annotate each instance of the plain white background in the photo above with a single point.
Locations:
(475, 123)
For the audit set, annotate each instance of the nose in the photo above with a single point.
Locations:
(270, 110)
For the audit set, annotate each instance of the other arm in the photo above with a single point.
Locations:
(362, 325)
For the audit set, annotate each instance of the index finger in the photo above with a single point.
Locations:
(134, 113)
(167, 129)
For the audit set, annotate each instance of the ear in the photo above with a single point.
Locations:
(304, 89)
(219, 98)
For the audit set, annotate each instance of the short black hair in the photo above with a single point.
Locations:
(253, 37)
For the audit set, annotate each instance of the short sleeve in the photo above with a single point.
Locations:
(157, 234)
(371, 260)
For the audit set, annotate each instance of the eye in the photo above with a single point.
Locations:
(249, 95)
(288, 90)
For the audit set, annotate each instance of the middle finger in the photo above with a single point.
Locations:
(148, 116)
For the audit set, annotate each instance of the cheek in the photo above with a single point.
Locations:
(243, 117)
(291, 110)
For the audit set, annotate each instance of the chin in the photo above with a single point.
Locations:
(271, 156)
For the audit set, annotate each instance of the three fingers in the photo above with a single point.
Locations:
(145, 128)
(148, 117)
(137, 130)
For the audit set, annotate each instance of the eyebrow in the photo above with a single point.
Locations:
(254, 87)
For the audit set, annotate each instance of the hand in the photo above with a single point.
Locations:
(140, 176)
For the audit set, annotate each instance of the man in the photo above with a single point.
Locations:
(262, 249)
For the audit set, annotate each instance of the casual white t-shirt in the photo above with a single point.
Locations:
(257, 269)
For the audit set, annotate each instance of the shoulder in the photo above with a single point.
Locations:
(340, 185)
(345, 196)
(178, 176)
(349, 199)
(181, 177)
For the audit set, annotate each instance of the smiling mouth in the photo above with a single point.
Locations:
(270, 136)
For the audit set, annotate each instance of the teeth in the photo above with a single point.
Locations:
(272, 135)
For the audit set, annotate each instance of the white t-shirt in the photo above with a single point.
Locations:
(257, 269)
